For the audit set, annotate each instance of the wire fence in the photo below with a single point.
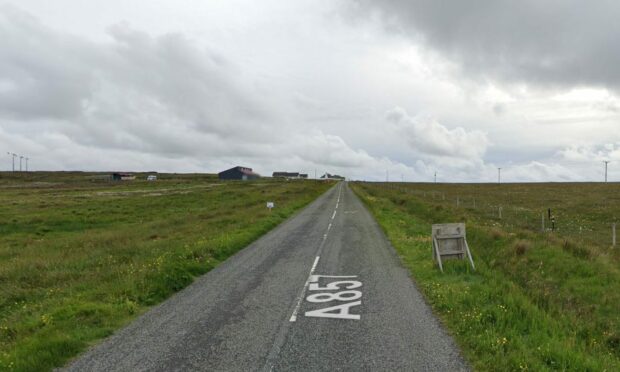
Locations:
(583, 213)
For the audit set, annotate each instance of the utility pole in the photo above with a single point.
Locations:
(13, 158)
(606, 162)
(499, 175)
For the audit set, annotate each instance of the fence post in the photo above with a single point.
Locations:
(613, 235)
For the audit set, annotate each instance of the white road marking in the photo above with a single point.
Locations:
(303, 291)
(345, 294)
(316, 261)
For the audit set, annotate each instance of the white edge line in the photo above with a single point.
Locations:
(303, 291)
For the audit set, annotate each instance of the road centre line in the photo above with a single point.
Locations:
(303, 291)
(280, 338)
(316, 261)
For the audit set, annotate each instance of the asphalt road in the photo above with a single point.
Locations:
(276, 305)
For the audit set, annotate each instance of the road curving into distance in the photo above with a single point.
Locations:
(323, 291)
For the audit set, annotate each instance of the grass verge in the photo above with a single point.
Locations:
(536, 302)
(81, 257)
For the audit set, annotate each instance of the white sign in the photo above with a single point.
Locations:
(270, 205)
(347, 297)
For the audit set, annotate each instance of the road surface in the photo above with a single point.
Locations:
(323, 291)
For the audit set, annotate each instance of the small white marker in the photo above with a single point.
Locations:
(334, 215)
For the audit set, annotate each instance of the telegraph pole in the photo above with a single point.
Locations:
(13, 158)
(499, 175)
(606, 162)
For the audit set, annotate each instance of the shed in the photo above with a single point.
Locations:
(238, 173)
(118, 176)
(294, 175)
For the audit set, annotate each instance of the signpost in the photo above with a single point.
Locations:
(270, 205)
(449, 242)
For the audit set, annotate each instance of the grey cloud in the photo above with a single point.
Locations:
(41, 74)
(136, 92)
(137, 97)
(559, 43)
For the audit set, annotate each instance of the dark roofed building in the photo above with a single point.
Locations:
(238, 173)
(118, 176)
(289, 175)
(328, 176)
(294, 175)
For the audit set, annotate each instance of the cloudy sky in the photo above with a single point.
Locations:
(356, 87)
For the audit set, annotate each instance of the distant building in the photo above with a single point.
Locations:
(328, 176)
(123, 176)
(290, 175)
(238, 173)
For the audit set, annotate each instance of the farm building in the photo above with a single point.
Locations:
(122, 176)
(328, 176)
(238, 173)
(293, 175)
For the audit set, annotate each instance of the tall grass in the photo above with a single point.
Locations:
(81, 257)
(536, 301)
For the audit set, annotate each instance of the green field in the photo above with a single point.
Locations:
(81, 256)
(539, 300)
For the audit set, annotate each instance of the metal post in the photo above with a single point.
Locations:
(606, 162)
(13, 156)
